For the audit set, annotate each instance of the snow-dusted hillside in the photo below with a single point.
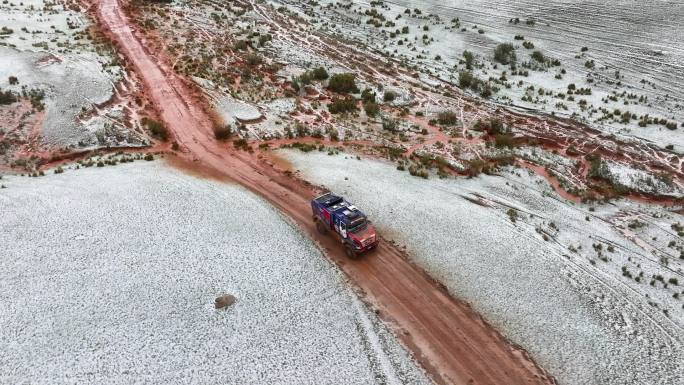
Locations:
(592, 292)
(109, 275)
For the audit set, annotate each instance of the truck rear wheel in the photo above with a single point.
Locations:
(321, 227)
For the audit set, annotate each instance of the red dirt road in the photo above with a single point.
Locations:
(447, 337)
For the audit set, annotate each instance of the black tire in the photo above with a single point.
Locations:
(321, 227)
(351, 253)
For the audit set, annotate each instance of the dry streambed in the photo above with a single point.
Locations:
(110, 275)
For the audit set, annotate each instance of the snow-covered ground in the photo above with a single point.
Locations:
(585, 289)
(627, 53)
(110, 275)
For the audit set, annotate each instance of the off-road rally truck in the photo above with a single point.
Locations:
(348, 223)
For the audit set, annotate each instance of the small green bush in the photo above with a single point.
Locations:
(469, 59)
(368, 96)
(156, 128)
(512, 214)
(343, 83)
(253, 59)
(7, 97)
(342, 105)
(447, 118)
(371, 108)
(319, 73)
(503, 140)
(538, 56)
(389, 96)
(505, 53)
(465, 79)
(222, 132)
(263, 39)
(241, 144)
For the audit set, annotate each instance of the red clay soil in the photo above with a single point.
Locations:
(447, 337)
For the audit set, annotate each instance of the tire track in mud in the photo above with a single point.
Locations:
(447, 337)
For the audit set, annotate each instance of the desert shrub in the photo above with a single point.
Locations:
(595, 166)
(343, 83)
(36, 96)
(241, 144)
(368, 96)
(389, 125)
(301, 129)
(59, 170)
(222, 132)
(503, 140)
(13, 80)
(309, 77)
(389, 96)
(316, 133)
(469, 59)
(417, 171)
(156, 128)
(263, 39)
(528, 45)
(371, 108)
(240, 45)
(496, 126)
(253, 59)
(319, 73)
(475, 167)
(334, 135)
(485, 90)
(465, 79)
(447, 118)
(512, 214)
(538, 56)
(505, 53)
(303, 147)
(7, 97)
(342, 105)
(148, 157)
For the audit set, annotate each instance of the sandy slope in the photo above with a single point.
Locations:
(448, 337)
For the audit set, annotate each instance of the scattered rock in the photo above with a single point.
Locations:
(224, 301)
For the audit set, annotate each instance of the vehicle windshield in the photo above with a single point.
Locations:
(359, 227)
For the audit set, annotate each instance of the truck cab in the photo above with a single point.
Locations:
(332, 213)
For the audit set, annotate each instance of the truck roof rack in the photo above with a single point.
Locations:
(328, 199)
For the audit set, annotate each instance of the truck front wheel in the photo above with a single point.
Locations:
(351, 253)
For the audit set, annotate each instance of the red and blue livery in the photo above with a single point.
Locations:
(332, 213)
